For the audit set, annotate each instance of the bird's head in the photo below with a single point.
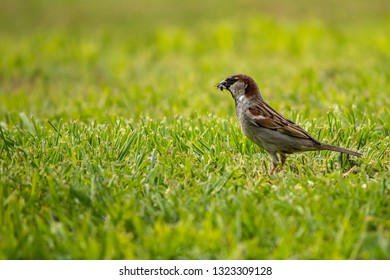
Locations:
(240, 85)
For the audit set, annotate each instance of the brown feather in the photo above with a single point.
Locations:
(267, 117)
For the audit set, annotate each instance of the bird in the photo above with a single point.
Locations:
(267, 128)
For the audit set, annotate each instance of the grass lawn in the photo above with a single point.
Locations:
(115, 143)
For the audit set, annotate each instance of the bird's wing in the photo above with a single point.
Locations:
(263, 115)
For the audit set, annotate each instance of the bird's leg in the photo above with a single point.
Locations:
(273, 169)
(283, 158)
(274, 162)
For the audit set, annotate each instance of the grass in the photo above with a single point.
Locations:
(115, 144)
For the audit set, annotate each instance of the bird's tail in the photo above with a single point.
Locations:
(339, 149)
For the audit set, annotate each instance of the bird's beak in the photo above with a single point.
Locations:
(222, 85)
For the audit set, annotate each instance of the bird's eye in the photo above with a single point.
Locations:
(231, 80)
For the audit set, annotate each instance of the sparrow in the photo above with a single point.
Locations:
(267, 128)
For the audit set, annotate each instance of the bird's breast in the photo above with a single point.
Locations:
(249, 128)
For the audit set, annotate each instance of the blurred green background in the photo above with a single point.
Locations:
(83, 59)
(136, 16)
